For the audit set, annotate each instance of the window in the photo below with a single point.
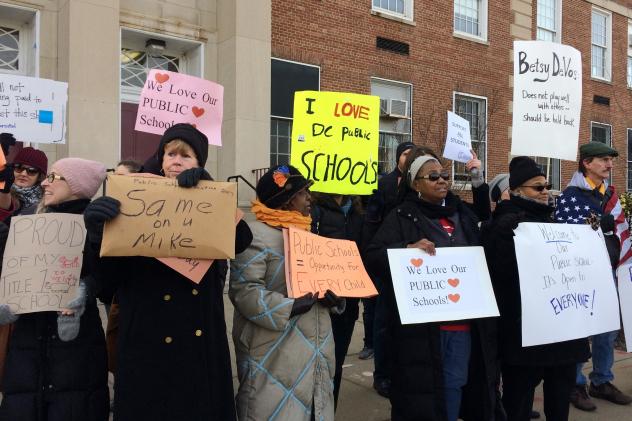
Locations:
(550, 167)
(470, 18)
(629, 159)
(287, 77)
(9, 49)
(400, 8)
(395, 121)
(18, 46)
(135, 65)
(549, 19)
(601, 44)
(629, 55)
(473, 109)
(601, 133)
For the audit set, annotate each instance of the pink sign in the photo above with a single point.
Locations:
(169, 98)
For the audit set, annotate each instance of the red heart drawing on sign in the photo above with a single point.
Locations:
(453, 282)
(416, 262)
(197, 111)
(454, 297)
(161, 77)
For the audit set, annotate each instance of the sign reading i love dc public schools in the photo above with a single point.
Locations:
(169, 98)
(335, 139)
(452, 285)
(566, 284)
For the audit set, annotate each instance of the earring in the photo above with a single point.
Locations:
(419, 195)
(162, 172)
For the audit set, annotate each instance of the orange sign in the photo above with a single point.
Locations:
(315, 263)
(3, 163)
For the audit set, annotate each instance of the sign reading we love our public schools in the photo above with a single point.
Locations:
(452, 285)
(169, 98)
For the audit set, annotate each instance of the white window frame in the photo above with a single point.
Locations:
(558, 22)
(608, 54)
(468, 184)
(629, 58)
(593, 123)
(28, 55)
(482, 24)
(628, 158)
(408, 15)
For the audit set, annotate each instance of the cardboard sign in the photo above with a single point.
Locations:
(169, 98)
(624, 277)
(335, 139)
(566, 284)
(42, 262)
(315, 263)
(547, 99)
(33, 109)
(160, 219)
(458, 141)
(452, 285)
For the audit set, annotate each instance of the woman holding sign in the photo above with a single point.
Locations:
(56, 367)
(284, 346)
(523, 368)
(440, 370)
(173, 362)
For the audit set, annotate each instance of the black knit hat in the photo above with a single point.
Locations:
(401, 148)
(521, 169)
(188, 134)
(277, 187)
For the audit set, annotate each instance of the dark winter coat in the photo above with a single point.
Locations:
(47, 379)
(500, 252)
(417, 378)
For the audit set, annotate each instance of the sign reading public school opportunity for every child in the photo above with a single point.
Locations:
(335, 140)
(547, 99)
(452, 285)
(566, 283)
(169, 98)
(33, 109)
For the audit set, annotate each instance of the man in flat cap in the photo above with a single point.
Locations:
(587, 196)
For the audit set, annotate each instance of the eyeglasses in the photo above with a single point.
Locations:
(52, 177)
(541, 187)
(19, 168)
(434, 176)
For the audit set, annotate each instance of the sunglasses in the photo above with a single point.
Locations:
(19, 168)
(541, 187)
(434, 176)
(52, 177)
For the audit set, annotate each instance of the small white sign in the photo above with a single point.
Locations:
(33, 109)
(624, 278)
(458, 142)
(566, 283)
(452, 285)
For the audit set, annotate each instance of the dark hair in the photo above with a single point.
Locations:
(132, 166)
(580, 165)
(356, 201)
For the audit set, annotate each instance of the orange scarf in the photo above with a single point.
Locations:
(280, 218)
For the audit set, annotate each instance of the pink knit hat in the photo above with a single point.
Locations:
(83, 176)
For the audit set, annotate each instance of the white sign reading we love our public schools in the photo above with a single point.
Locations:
(566, 283)
(452, 285)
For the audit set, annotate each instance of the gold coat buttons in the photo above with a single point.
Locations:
(168, 339)
(198, 332)
(195, 292)
(167, 297)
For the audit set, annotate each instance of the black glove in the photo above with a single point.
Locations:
(303, 304)
(4, 235)
(331, 300)
(97, 213)
(190, 177)
(6, 140)
(7, 176)
(606, 222)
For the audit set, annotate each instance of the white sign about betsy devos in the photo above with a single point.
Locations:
(566, 283)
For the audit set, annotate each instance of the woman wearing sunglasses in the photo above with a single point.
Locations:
(22, 190)
(440, 370)
(523, 368)
(56, 365)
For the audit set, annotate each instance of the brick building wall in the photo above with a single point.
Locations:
(340, 37)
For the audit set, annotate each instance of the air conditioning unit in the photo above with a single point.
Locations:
(393, 108)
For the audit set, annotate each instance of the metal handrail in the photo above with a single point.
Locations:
(240, 177)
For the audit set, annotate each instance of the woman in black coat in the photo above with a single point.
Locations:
(524, 367)
(430, 379)
(56, 366)
(173, 362)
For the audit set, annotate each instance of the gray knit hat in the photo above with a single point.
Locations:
(497, 186)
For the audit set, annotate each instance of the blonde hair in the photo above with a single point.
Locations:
(180, 147)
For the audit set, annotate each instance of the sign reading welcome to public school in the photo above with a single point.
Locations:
(169, 98)
(335, 139)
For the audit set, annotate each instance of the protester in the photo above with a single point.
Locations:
(56, 364)
(284, 346)
(589, 195)
(499, 188)
(173, 361)
(128, 166)
(340, 217)
(523, 368)
(22, 190)
(431, 361)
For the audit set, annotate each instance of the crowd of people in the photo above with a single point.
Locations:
(167, 344)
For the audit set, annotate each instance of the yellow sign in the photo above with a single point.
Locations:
(335, 140)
